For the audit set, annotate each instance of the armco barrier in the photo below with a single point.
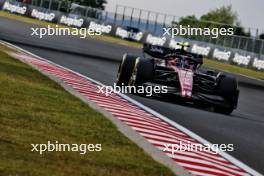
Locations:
(43, 14)
(227, 55)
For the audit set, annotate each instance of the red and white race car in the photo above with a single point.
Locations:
(181, 72)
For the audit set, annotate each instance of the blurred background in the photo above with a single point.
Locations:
(138, 16)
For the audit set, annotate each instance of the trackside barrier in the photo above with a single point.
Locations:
(231, 56)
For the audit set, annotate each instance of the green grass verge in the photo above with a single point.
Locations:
(35, 110)
(208, 62)
(233, 69)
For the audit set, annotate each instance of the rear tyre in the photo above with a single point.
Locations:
(227, 88)
(125, 69)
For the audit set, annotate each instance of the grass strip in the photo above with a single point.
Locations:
(233, 69)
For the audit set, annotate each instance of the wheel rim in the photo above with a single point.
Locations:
(120, 68)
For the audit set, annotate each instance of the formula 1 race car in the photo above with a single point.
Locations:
(183, 75)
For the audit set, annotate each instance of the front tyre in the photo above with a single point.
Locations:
(228, 89)
(143, 71)
(125, 69)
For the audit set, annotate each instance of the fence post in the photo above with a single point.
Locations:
(261, 48)
(59, 6)
(239, 42)
(232, 42)
(50, 2)
(156, 18)
(131, 17)
(246, 45)
(224, 42)
(41, 3)
(123, 18)
(164, 21)
(174, 20)
(115, 14)
(216, 41)
(86, 11)
(253, 44)
(139, 18)
(106, 16)
(147, 20)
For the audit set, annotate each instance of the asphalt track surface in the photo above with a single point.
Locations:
(99, 60)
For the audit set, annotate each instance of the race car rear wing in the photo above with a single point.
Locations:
(163, 52)
(157, 51)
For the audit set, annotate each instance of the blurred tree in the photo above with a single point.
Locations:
(99, 4)
(261, 36)
(188, 20)
(241, 31)
(223, 17)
